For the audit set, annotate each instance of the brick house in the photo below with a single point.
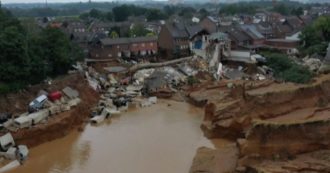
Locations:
(124, 48)
(281, 44)
(173, 40)
(211, 24)
(257, 39)
(239, 39)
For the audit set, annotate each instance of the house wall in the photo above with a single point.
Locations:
(165, 40)
(282, 44)
(182, 46)
(120, 50)
(258, 41)
(210, 26)
(171, 45)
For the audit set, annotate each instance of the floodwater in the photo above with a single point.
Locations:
(162, 138)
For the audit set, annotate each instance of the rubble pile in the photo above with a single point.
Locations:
(11, 155)
(43, 108)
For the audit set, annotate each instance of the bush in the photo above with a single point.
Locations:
(287, 70)
(11, 87)
(297, 74)
(192, 80)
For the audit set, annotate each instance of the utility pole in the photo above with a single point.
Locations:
(46, 3)
(89, 1)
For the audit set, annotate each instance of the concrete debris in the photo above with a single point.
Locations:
(187, 70)
(42, 92)
(152, 100)
(74, 102)
(148, 102)
(234, 74)
(55, 109)
(16, 152)
(71, 93)
(141, 75)
(313, 64)
(6, 141)
(23, 122)
(112, 79)
(115, 69)
(10, 166)
(101, 117)
(39, 116)
(10, 151)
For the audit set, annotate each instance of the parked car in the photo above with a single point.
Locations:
(56, 95)
(37, 103)
(4, 117)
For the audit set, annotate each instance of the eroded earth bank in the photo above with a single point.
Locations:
(277, 128)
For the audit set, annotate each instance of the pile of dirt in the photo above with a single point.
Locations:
(58, 125)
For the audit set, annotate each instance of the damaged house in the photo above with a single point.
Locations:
(177, 39)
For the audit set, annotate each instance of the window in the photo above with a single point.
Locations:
(151, 44)
(118, 47)
(143, 45)
(110, 55)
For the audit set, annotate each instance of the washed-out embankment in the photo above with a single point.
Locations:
(273, 121)
(58, 125)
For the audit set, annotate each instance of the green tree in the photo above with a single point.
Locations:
(297, 11)
(316, 37)
(203, 12)
(114, 34)
(27, 58)
(310, 36)
(121, 13)
(322, 24)
(282, 9)
(287, 70)
(138, 30)
(97, 14)
(187, 12)
(155, 14)
(151, 34)
(13, 57)
(58, 51)
(109, 16)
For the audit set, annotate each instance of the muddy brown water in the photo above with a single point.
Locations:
(162, 138)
